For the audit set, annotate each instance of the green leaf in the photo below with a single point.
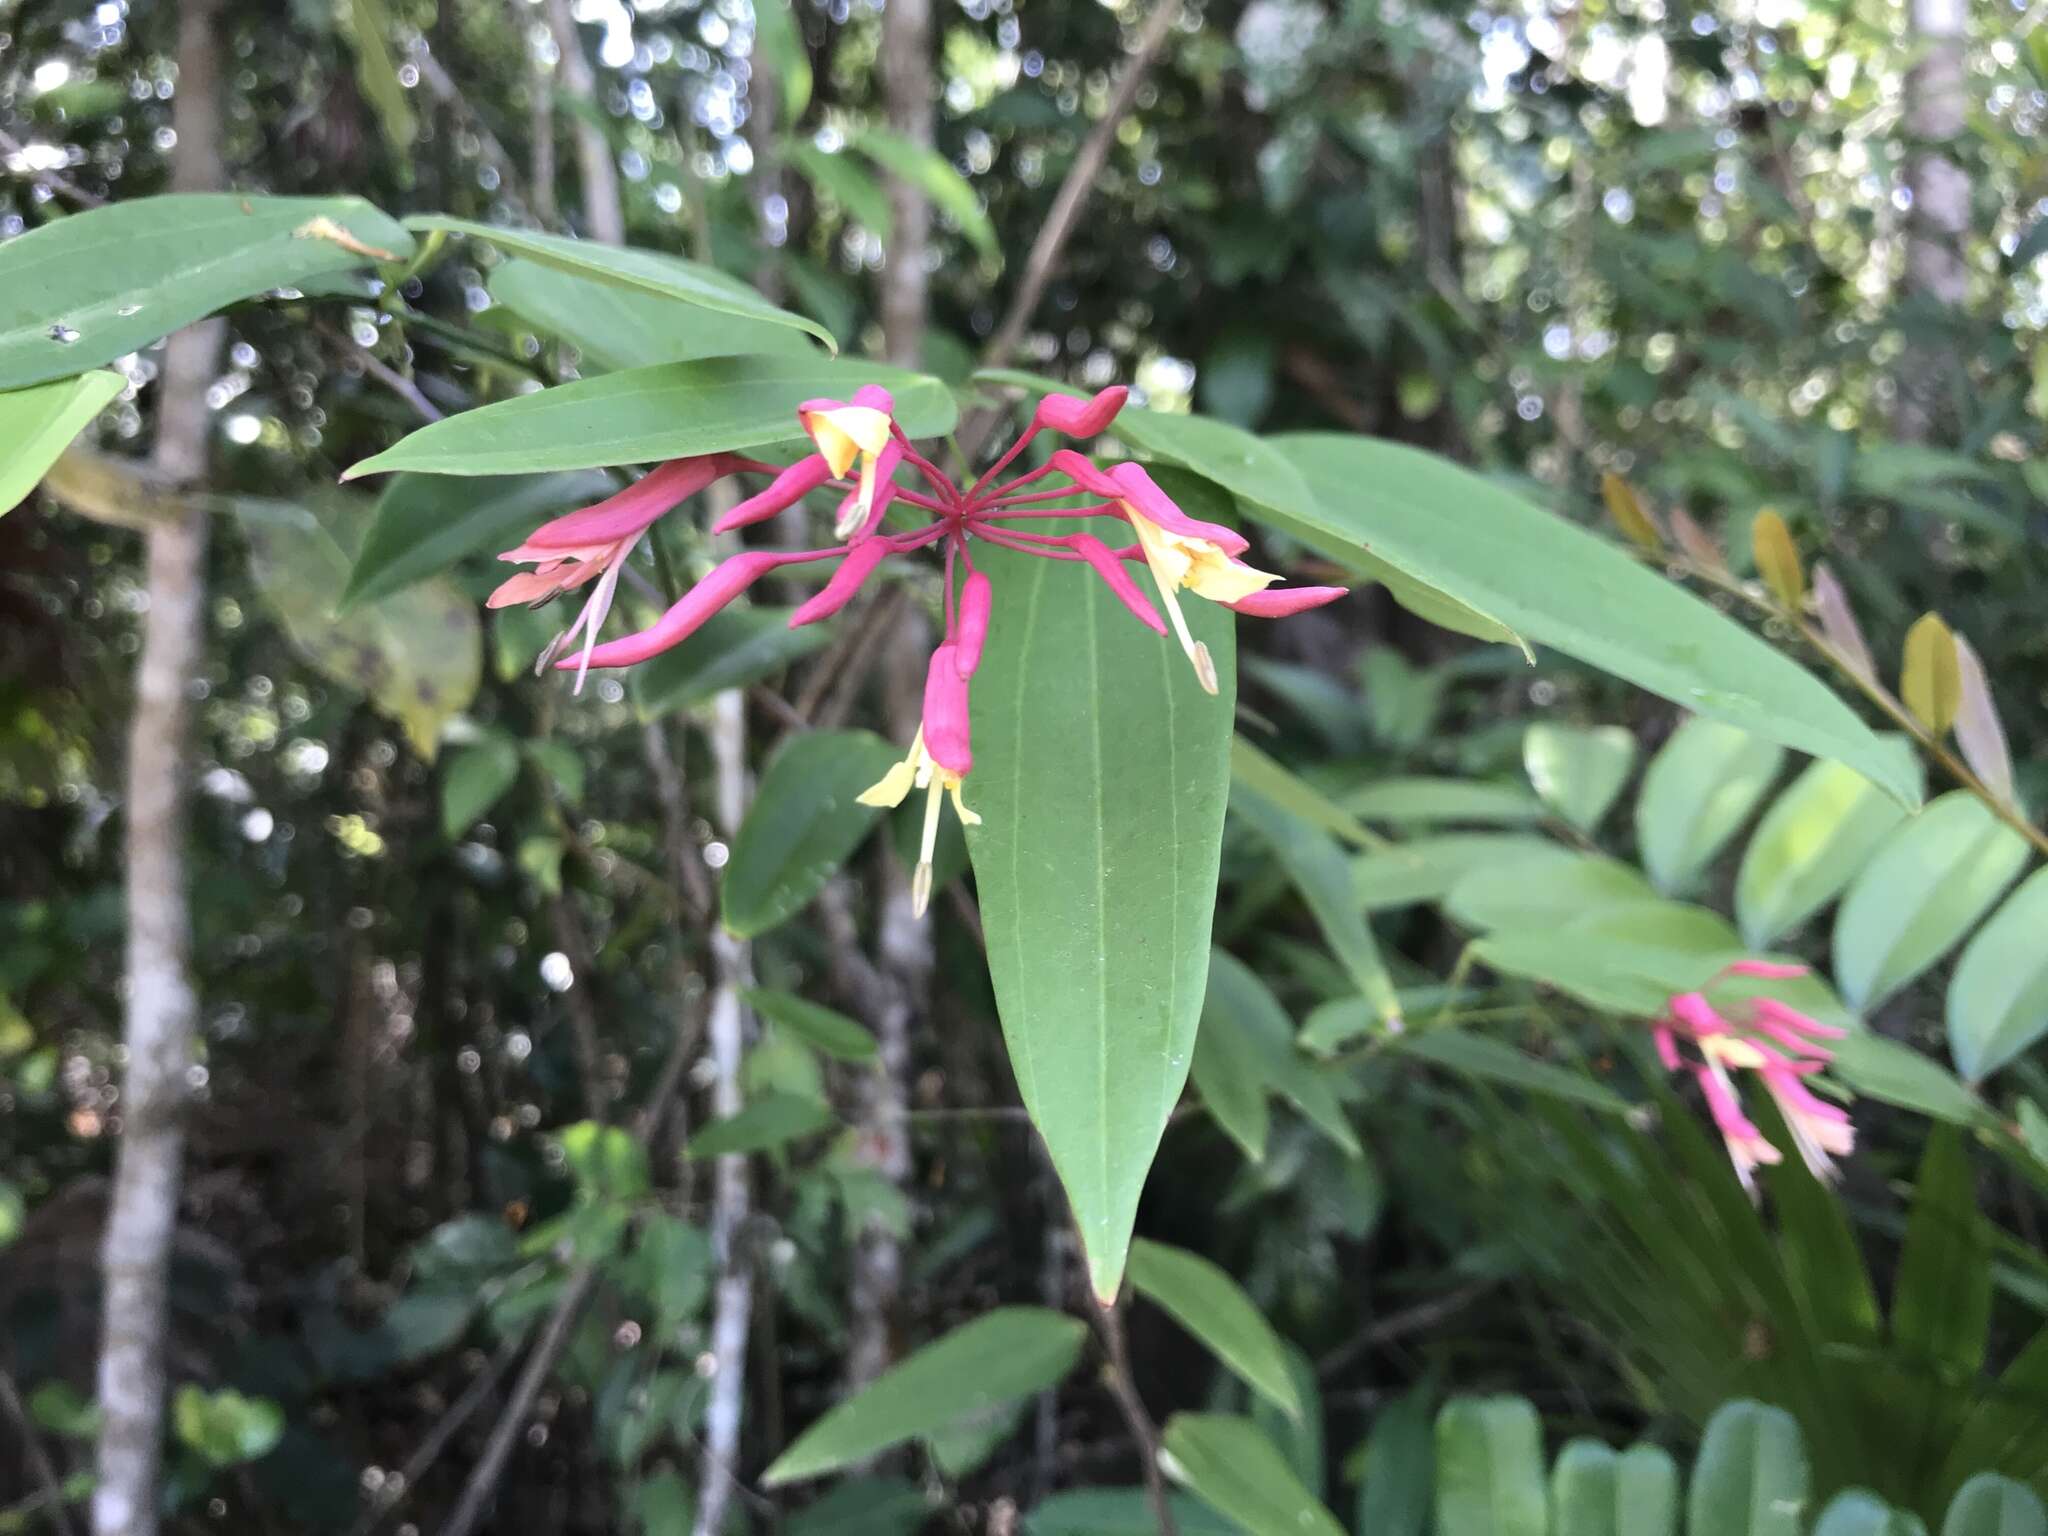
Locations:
(1503, 896)
(1489, 1060)
(425, 523)
(668, 277)
(663, 1505)
(1930, 676)
(606, 1162)
(13, 1212)
(1489, 1468)
(1859, 1512)
(667, 411)
(734, 647)
(85, 289)
(1578, 771)
(1010, 1353)
(805, 820)
(1808, 846)
(779, 45)
(1233, 1468)
(1438, 802)
(1563, 587)
(38, 424)
(1248, 1040)
(1646, 1492)
(226, 1428)
(1990, 1505)
(614, 327)
(475, 779)
(1101, 774)
(1941, 1298)
(1924, 890)
(847, 184)
(1399, 1480)
(1878, 1068)
(1119, 1512)
(1582, 1491)
(1751, 1476)
(819, 1027)
(1318, 869)
(863, 1506)
(417, 655)
(929, 171)
(1427, 868)
(378, 76)
(1696, 792)
(770, 1121)
(1627, 957)
(1998, 1001)
(1203, 1299)
(1252, 769)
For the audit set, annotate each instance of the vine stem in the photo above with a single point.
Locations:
(1879, 696)
(1109, 1323)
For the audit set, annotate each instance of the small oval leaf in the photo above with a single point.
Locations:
(1777, 559)
(1578, 771)
(1998, 1000)
(1698, 789)
(1931, 678)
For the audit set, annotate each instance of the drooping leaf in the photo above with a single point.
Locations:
(1698, 789)
(1010, 1353)
(1254, 770)
(1489, 1468)
(822, 1028)
(615, 327)
(83, 290)
(779, 47)
(838, 177)
(1924, 889)
(425, 523)
(770, 1121)
(642, 415)
(416, 656)
(378, 76)
(805, 819)
(1808, 847)
(1203, 1299)
(37, 424)
(1101, 773)
(734, 647)
(927, 169)
(1233, 1468)
(1563, 587)
(1998, 1001)
(1577, 772)
(1751, 1476)
(668, 277)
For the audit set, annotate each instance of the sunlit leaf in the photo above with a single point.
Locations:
(1699, 788)
(38, 424)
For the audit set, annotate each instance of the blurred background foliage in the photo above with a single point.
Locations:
(436, 931)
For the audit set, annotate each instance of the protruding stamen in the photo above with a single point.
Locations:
(1205, 667)
(921, 882)
(920, 890)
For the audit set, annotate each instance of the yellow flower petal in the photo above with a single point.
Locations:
(891, 787)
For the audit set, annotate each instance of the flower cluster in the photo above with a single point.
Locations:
(860, 451)
(1782, 1046)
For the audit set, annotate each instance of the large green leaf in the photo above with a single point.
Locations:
(1203, 1299)
(1489, 1468)
(1697, 790)
(425, 523)
(86, 289)
(1233, 1468)
(1628, 958)
(1990, 1505)
(1102, 770)
(1504, 896)
(1010, 1353)
(734, 647)
(1563, 587)
(1998, 1001)
(1809, 845)
(617, 327)
(417, 655)
(804, 821)
(667, 277)
(1926, 888)
(1751, 1475)
(670, 410)
(1576, 770)
(38, 424)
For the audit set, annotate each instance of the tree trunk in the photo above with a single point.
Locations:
(603, 215)
(907, 92)
(1937, 103)
(161, 1004)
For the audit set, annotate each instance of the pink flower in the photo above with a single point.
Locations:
(939, 760)
(1782, 1047)
(1079, 418)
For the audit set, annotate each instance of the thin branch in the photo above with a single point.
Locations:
(1109, 1323)
(39, 1463)
(429, 1450)
(1399, 1325)
(1065, 213)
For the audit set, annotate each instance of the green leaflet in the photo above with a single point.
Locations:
(1751, 1476)
(1204, 1299)
(1101, 774)
(1998, 1001)
(1809, 845)
(1697, 790)
(615, 327)
(86, 289)
(1232, 1467)
(38, 424)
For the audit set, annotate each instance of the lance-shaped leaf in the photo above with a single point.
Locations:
(1230, 1465)
(1838, 623)
(1809, 845)
(1010, 1353)
(1628, 512)
(1777, 559)
(84, 290)
(668, 277)
(1998, 1002)
(925, 168)
(1101, 773)
(615, 327)
(1204, 1299)
(1698, 789)
(1978, 731)
(425, 523)
(1930, 676)
(806, 818)
(824, 1029)
(643, 415)
(1563, 587)
(38, 424)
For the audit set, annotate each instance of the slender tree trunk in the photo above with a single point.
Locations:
(161, 1003)
(907, 91)
(1937, 105)
(603, 214)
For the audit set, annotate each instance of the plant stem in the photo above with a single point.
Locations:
(1109, 1322)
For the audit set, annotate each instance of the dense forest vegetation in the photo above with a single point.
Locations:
(909, 1016)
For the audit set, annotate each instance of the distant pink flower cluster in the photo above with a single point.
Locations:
(860, 449)
(1778, 1043)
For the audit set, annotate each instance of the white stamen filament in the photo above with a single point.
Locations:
(921, 882)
